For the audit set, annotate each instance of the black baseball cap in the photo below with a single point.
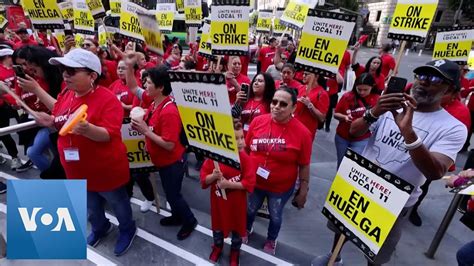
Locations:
(445, 68)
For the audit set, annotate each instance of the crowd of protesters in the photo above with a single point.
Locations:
(276, 118)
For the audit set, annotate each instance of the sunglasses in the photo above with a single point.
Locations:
(281, 103)
(73, 71)
(433, 79)
(86, 45)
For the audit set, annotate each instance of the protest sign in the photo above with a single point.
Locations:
(151, 32)
(470, 60)
(278, 28)
(83, 20)
(364, 202)
(296, 12)
(67, 11)
(204, 108)
(96, 8)
(165, 16)
(44, 14)
(230, 27)
(205, 46)
(264, 21)
(115, 8)
(3, 22)
(129, 23)
(412, 20)
(138, 158)
(61, 37)
(102, 33)
(180, 6)
(323, 42)
(192, 13)
(453, 43)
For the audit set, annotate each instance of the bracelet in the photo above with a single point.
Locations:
(411, 146)
(372, 114)
(369, 118)
(310, 106)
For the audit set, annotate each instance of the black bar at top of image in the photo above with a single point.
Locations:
(203, 77)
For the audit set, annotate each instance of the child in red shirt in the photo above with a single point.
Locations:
(229, 215)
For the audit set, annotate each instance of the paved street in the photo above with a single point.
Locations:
(303, 235)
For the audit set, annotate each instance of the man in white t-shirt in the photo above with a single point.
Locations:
(412, 136)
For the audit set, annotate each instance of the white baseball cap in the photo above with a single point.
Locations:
(79, 58)
(5, 52)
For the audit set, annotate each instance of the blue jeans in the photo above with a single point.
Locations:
(276, 203)
(343, 144)
(465, 255)
(120, 203)
(171, 179)
(36, 151)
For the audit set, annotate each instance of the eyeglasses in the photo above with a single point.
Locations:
(281, 103)
(72, 71)
(86, 45)
(435, 80)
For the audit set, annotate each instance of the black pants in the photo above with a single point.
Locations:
(143, 181)
(218, 237)
(10, 145)
(332, 104)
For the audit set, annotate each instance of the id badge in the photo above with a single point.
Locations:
(263, 173)
(246, 127)
(71, 154)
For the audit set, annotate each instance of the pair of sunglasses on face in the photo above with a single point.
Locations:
(433, 79)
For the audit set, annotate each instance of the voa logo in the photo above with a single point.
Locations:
(30, 219)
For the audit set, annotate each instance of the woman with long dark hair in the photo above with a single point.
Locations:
(373, 66)
(351, 106)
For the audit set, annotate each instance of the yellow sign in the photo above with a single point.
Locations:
(278, 28)
(165, 16)
(453, 44)
(115, 7)
(192, 12)
(323, 42)
(96, 8)
(3, 21)
(180, 6)
(83, 20)
(151, 33)
(229, 29)
(129, 23)
(79, 38)
(204, 108)
(364, 201)
(470, 61)
(44, 14)
(264, 21)
(205, 46)
(61, 37)
(67, 11)
(411, 20)
(138, 158)
(102, 36)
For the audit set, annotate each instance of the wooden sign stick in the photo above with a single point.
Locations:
(399, 57)
(336, 250)
(216, 166)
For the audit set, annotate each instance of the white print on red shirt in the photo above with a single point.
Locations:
(266, 144)
(234, 179)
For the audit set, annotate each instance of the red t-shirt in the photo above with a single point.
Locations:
(123, 94)
(457, 109)
(252, 109)
(292, 84)
(166, 123)
(348, 105)
(231, 214)
(379, 80)
(30, 98)
(109, 73)
(201, 62)
(280, 149)
(388, 63)
(265, 57)
(320, 99)
(232, 91)
(144, 103)
(332, 85)
(20, 44)
(244, 60)
(7, 75)
(103, 164)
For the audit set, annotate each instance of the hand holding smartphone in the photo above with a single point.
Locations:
(245, 88)
(19, 71)
(396, 85)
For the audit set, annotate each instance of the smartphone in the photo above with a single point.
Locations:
(396, 85)
(245, 88)
(68, 32)
(19, 72)
(284, 43)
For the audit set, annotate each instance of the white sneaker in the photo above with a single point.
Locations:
(16, 163)
(146, 205)
(324, 260)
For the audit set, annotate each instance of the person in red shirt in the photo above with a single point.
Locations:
(162, 128)
(24, 39)
(229, 214)
(109, 67)
(94, 150)
(313, 103)
(281, 148)
(172, 59)
(258, 101)
(234, 78)
(266, 54)
(351, 106)
(287, 78)
(388, 62)
(374, 66)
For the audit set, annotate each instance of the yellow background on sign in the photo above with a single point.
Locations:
(165, 18)
(180, 5)
(302, 12)
(97, 4)
(61, 37)
(223, 123)
(67, 13)
(378, 215)
(242, 27)
(277, 27)
(337, 46)
(264, 24)
(443, 46)
(197, 11)
(204, 40)
(90, 19)
(132, 146)
(127, 17)
(50, 5)
(427, 11)
(153, 40)
(115, 7)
